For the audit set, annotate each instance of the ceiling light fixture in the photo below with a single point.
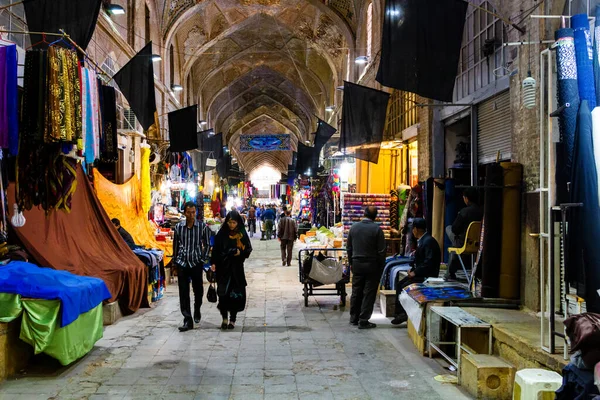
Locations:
(361, 60)
(156, 58)
(203, 122)
(307, 142)
(176, 88)
(330, 108)
(115, 9)
(340, 88)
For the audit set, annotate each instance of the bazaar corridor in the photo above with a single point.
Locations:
(279, 350)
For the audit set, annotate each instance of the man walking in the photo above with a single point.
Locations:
(287, 231)
(457, 231)
(426, 264)
(190, 249)
(366, 254)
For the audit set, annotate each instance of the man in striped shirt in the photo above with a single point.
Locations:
(190, 250)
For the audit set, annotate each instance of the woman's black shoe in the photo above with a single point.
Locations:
(231, 326)
(224, 326)
(367, 325)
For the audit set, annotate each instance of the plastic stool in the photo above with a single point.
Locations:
(536, 384)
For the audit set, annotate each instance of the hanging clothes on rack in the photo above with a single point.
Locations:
(9, 123)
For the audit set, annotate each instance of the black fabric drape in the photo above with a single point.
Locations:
(584, 227)
(108, 108)
(492, 234)
(363, 120)
(136, 81)
(420, 46)
(211, 146)
(77, 18)
(307, 157)
(224, 165)
(323, 134)
(183, 127)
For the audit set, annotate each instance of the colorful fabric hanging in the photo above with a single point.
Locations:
(91, 122)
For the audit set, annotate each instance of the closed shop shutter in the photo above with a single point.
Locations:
(494, 129)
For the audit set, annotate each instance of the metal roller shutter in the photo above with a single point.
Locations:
(494, 129)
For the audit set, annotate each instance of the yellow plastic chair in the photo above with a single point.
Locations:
(470, 247)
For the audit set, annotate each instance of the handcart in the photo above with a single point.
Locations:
(263, 233)
(313, 287)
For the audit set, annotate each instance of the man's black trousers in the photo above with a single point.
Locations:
(364, 292)
(184, 275)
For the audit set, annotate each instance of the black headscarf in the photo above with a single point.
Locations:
(233, 215)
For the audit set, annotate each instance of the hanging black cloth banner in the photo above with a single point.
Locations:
(224, 166)
(583, 253)
(323, 134)
(420, 46)
(307, 158)
(77, 18)
(363, 120)
(211, 146)
(108, 108)
(136, 81)
(183, 127)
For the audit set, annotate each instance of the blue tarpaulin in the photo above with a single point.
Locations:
(77, 294)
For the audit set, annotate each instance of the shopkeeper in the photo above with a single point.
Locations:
(124, 234)
(426, 264)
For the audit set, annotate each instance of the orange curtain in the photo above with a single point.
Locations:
(124, 202)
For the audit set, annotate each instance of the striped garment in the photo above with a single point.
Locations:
(191, 246)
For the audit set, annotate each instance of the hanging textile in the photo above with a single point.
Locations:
(63, 117)
(92, 126)
(307, 159)
(108, 108)
(9, 120)
(77, 18)
(409, 27)
(451, 211)
(584, 57)
(596, 60)
(583, 255)
(136, 81)
(183, 125)
(363, 120)
(34, 97)
(124, 202)
(323, 134)
(145, 179)
(568, 93)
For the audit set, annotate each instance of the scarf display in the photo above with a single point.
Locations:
(568, 93)
(91, 122)
(109, 151)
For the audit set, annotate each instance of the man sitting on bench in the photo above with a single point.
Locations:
(457, 231)
(427, 264)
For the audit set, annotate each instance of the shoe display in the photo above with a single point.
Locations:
(368, 325)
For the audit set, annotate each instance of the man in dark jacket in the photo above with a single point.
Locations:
(287, 232)
(457, 231)
(426, 264)
(366, 254)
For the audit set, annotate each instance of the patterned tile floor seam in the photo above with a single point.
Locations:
(278, 350)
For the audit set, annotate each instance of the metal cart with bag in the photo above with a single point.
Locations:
(321, 268)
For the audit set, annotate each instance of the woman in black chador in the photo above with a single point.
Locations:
(232, 247)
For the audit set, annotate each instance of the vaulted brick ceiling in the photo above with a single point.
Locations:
(261, 66)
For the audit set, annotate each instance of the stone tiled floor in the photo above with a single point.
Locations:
(279, 350)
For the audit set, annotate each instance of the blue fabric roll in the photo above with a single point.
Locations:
(584, 226)
(568, 93)
(449, 214)
(584, 55)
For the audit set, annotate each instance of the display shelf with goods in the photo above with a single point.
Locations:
(353, 208)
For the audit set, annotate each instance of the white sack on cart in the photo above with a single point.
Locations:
(326, 272)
